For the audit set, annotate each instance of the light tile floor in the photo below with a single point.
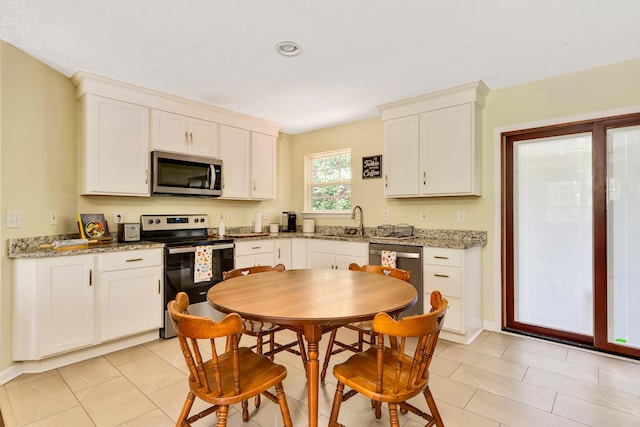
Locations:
(500, 380)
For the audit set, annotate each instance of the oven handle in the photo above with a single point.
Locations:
(188, 249)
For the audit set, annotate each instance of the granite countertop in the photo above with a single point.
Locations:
(453, 239)
(29, 247)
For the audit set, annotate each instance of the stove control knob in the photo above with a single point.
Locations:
(157, 221)
(201, 219)
(150, 221)
(196, 220)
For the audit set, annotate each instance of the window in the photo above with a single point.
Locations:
(328, 182)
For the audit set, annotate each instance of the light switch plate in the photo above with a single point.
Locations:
(14, 219)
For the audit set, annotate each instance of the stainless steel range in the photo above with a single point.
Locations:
(193, 261)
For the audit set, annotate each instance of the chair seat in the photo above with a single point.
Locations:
(359, 372)
(254, 327)
(259, 374)
(366, 326)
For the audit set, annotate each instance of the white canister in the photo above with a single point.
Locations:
(273, 228)
(308, 225)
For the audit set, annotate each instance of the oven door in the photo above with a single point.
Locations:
(180, 277)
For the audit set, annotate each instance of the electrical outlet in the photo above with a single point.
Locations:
(14, 219)
(118, 217)
(461, 216)
(424, 216)
(229, 216)
(385, 215)
(53, 218)
(265, 215)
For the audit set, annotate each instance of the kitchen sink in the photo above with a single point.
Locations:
(346, 232)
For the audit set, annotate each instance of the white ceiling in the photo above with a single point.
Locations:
(357, 54)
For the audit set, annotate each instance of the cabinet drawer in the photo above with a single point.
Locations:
(454, 320)
(442, 256)
(254, 247)
(129, 259)
(447, 280)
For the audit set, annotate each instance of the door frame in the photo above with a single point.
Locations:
(498, 237)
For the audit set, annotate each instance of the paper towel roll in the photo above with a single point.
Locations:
(257, 223)
(308, 225)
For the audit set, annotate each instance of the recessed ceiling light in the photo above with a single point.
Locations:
(288, 49)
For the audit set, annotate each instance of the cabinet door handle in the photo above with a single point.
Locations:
(256, 247)
(146, 176)
(386, 179)
(254, 185)
(134, 260)
(278, 253)
(441, 257)
(424, 178)
(191, 138)
(158, 286)
(90, 277)
(186, 137)
(441, 275)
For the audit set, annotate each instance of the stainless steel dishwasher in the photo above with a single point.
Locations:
(408, 258)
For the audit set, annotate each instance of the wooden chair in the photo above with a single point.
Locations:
(363, 328)
(384, 374)
(230, 376)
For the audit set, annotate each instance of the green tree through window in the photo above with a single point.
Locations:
(329, 181)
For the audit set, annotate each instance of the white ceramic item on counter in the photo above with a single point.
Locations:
(308, 225)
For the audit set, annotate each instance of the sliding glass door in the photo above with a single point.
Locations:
(572, 235)
(623, 236)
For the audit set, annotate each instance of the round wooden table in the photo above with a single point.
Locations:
(311, 302)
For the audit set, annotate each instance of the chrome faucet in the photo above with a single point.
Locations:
(353, 216)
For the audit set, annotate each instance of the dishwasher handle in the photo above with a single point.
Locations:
(413, 255)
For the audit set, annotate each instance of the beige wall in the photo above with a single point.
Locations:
(38, 173)
(38, 150)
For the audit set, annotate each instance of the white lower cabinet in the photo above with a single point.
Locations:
(335, 254)
(298, 254)
(67, 303)
(456, 273)
(130, 286)
(53, 306)
(282, 253)
(254, 252)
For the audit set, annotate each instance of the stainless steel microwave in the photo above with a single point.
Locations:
(185, 175)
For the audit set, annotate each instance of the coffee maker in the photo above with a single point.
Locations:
(288, 221)
(291, 222)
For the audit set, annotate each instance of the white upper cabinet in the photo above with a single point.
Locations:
(433, 144)
(234, 151)
(263, 166)
(248, 164)
(114, 147)
(182, 134)
(401, 156)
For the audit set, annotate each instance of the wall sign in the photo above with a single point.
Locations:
(372, 167)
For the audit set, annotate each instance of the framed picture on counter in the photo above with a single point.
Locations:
(92, 226)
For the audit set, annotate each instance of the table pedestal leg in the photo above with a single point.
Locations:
(313, 336)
